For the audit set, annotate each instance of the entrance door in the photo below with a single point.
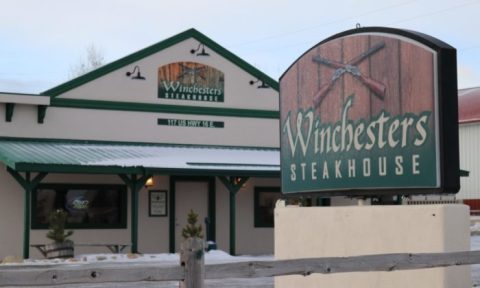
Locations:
(189, 195)
(191, 192)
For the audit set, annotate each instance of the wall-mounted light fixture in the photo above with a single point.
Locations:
(149, 182)
(201, 53)
(237, 180)
(262, 84)
(138, 76)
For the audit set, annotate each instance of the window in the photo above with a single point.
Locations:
(264, 204)
(88, 206)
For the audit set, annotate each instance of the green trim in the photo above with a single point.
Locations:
(41, 112)
(9, 107)
(80, 226)
(76, 141)
(135, 184)
(28, 185)
(233, 187)
(19, 94)
(27, 197)
(211, 235)
(258, 222)
(191, 33)
(464, 173)
(61, 168)
(171, 218)
(163, 108)
(212, 210)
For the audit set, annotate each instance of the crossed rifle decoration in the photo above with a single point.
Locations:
(194, 71)
(351, 67)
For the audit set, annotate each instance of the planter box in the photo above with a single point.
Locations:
(59, 250)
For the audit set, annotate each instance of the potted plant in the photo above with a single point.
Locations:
(192, 230)
(61, 247)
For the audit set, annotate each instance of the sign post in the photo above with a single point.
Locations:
(371, 112)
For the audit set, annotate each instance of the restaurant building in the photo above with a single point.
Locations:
(130, 148)
(198, 120)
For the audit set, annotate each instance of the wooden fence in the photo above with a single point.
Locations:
(192, 272)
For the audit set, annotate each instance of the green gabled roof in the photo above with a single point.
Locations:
(122, 62)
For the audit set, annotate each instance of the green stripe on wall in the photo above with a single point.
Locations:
(163, 108)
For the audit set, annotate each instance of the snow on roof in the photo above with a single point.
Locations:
(19, 154)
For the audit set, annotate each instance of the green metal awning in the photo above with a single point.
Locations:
(114, 158)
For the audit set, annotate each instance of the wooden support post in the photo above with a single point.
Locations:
(135, 185)
(28, 185)
(192, 258)
(233, 184)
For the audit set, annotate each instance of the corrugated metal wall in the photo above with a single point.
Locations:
(469, 137)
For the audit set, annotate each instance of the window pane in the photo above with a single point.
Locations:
(265, 199)
(88, 206)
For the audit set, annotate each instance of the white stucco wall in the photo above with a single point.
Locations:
(127, 126)
(116, 86)
(153, 232)
(11, 215)
(366, 230)
(130, 126)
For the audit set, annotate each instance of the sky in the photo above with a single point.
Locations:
(41, 41)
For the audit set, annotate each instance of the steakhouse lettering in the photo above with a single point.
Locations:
(379, 147)
(383, 131)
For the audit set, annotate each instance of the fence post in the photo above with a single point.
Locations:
(192, 258)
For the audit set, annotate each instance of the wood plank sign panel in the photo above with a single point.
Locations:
(190, 81)
(371, 111)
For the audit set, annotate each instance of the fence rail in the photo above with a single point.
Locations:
(61, 274)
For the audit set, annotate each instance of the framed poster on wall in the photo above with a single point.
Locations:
(157, 203)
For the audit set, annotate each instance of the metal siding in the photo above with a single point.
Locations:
(13, 152)
(469, 137)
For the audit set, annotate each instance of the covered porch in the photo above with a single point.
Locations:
(30, 161)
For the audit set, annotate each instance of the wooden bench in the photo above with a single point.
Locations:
(113, 247)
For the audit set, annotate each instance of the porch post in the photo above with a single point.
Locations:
(233, 184)
(27, 195)
(135, 186)
(28, 186)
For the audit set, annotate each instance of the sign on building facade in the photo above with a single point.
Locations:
(369, 111)
(190, 81)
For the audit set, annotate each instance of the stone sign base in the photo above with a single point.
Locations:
(306, 232)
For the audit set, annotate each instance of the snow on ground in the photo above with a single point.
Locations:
(475, 245)
(211, 257)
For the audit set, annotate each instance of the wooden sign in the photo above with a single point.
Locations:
(371, 111)
(190, 81)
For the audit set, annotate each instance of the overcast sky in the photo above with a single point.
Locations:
(41, 40)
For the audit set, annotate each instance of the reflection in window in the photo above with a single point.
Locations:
(88, 206)
(265, 199)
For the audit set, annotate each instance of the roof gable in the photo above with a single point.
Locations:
(191, 33)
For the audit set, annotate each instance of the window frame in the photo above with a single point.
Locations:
(35, 225)
(258, 223)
